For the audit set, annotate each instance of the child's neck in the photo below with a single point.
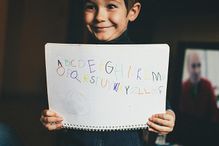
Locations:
(122, 39)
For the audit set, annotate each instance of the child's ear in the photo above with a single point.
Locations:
(134, 11)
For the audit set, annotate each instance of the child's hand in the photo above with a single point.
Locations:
(162, 123)
(51, 120)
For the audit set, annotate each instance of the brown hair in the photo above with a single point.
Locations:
(130, 3)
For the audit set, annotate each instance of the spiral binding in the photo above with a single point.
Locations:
(104, 128)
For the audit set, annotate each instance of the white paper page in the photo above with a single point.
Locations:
(106, 87)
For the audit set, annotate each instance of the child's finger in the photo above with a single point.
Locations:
(161, 122)
(51, 119)
(59, 126)
(50, 113)
(159, 128)
(155, 131)
(53, 126)
(170, 112)
(152, 130)
(163, 116)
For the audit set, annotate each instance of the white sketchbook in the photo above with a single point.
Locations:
(106, 87)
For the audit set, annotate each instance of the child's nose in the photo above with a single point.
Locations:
(101, 15)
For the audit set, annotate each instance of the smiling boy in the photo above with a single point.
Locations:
(107, 22)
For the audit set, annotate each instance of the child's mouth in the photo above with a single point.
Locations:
(101, 28)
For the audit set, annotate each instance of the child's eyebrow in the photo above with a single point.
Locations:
(117, 1)
(89, 2)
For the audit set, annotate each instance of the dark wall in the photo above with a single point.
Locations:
(3, 20)
(29, 25)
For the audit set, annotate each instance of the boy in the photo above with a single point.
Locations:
(107, 22)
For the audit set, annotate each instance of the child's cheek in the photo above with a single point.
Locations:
(119, 20)
(116, 19)
(88, 18)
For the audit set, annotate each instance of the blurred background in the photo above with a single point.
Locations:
(27, 25)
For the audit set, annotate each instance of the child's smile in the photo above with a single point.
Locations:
(102, 28)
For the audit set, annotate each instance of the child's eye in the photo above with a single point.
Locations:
(111, 6)
(90, 7)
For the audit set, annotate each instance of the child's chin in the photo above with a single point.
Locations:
(103, 38)
(100, 36)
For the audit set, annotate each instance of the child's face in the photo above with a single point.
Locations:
(106, 19)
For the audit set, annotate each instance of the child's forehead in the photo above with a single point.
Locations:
(106, 1)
